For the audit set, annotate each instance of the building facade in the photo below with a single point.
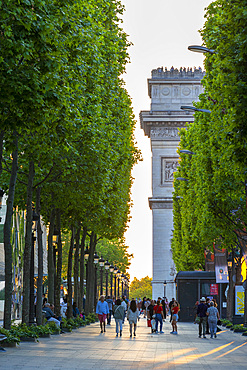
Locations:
(168, 90)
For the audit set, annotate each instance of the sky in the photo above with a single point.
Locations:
(161, 31)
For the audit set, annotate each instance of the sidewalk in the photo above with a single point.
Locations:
(86, 348)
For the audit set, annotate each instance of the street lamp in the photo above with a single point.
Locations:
(115, 280)
(165, 284)
(35, 218)
(111, 271)
(118, 276)
(107, 266)
(101, 263)
(95, 260)
(185, 151)
(123, 278)
(200, 49)
(188, 107)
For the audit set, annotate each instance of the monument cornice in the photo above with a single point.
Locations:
(160, 203)
(176, 119)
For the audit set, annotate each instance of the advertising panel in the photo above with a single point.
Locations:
(239, 300)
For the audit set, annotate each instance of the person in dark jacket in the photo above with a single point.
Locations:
(201, 313)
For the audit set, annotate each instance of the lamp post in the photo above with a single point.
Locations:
(118, 280)
(95, 260)
(115, 281)
(101, 263)
(107, 266)
(122, 278)
(31, 306)
(111, 271)
(86, 257)
(127, 288)
(165, 283)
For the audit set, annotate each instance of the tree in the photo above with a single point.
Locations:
(212, 204)
(141, 288)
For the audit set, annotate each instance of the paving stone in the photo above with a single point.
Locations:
(87, 349)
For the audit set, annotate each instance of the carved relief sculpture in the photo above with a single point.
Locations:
(164, 132)
(168, 169)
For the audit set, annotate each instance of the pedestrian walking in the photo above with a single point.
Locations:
(175, 309)
(133, 316)
(170, 308)
(164, 307)
(118, 313)
(201, 313)
(213, 316)
(143, 307)
(150, 315)
(110, 305)
(102, 310)
(159, 316)
(207, 324)
(124, 304)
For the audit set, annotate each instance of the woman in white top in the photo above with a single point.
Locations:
(132, 316)
(212, 314)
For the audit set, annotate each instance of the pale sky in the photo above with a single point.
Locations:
(161, 31)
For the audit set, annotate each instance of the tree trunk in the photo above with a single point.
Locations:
(40, 261)
(69, 274)
(76, 264)
(90, 276)
(28, 246)
(51, 268)
(81, 287)
(7, 239)
(59, 263)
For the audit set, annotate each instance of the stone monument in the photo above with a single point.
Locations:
(168, 90)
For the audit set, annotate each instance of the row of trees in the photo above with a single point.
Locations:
(66, 142)
(211, 205)
(141, 288)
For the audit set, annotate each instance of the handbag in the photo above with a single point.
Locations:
(197, 320)
(219, 322)
(149, 323)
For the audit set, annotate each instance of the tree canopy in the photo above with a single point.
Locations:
(140, 288)
(211, 205)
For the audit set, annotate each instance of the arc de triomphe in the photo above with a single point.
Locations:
(168, 90)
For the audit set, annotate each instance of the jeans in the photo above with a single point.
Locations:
(57, 322)
(119, 323)
(212, 326)
(158, 319)
(202, 325)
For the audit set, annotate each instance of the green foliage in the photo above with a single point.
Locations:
(212, 203)
(11, 338)
(141, 288)
(22, 330)
(63, 98)
(53, 326)
(91, 317)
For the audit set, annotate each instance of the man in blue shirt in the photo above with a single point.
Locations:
(201, 313)
(102, 310)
